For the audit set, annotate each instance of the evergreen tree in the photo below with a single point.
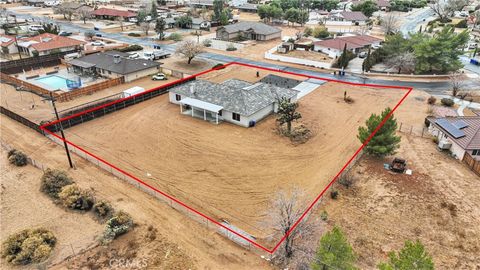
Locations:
(160, 28)
(412, 256)
(384, 142)
(153, 11)
(334, 252)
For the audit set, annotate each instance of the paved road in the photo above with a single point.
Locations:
(411, 21)
(431, 87)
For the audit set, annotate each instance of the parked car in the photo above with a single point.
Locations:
(472, 46)
(97, 43)
(375, 46)
(133, 19)
(148, 18)
(64, 33)
(159, 77)
(35, 27)
(362, 55)
(133, 55)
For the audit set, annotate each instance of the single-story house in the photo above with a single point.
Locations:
(170, 23)
(8, 45)
(201, 3)
(234, 101)
(352, 17)
(111, 14)
(459, 135)
(113, 64)
(47, 43)
(383, 5)
(248, 30)
(36, 3)
(334, 47)
(199, 23)
(247, 7)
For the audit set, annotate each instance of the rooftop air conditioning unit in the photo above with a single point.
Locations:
(444, 144)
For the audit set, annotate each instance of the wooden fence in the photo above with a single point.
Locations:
(90, 89)
(472, 163)
(20, 83)
(16, 66)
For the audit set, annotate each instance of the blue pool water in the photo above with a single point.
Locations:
(54, 81)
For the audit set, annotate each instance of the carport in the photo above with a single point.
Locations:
(198, 106)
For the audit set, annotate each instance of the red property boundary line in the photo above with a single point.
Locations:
(308, 209)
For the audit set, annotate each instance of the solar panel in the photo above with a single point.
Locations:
(460, 124)
(451, 129)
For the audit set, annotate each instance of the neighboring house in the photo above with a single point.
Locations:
(170, 23)
(247, 7)
(233, 101)
(459, 134)
(114, 64)
(201, 3)
(47, 43)
(8, 45)
(383, 5)
(199, 23)
(36, 3)
(350, 17)
(112, 14)
(248, 30)
(334, 47)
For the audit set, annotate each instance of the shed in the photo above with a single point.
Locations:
(132, 91)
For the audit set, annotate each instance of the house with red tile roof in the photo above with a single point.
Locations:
(334, 47)
(459, 135)
(47, 43)
(111, 14)
(8, 45)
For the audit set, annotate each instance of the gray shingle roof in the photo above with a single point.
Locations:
(105, 61)
(235, 95)
(258, 28)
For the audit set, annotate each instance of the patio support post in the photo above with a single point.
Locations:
(216, 116)
(204, 115)
(192, 111)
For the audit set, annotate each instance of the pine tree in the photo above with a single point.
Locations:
(412, 256)
(384, 142)
(334, 252)
(160, 28)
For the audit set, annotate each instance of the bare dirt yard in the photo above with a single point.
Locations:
(174, 242)
(235, 179)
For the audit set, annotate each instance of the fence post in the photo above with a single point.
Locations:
(400, 128)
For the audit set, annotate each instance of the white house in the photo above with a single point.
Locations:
(8, 45)
(334, 47)
(459, 135)
(233, 101)
(346, 18)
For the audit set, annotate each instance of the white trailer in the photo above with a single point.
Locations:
(132, 91)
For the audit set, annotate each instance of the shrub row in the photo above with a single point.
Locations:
(28, 246)
(131, 48)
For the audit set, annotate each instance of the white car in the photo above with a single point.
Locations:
(97, 43)
(148, 18)
(133, 19)
(133, 55)
(159, 77)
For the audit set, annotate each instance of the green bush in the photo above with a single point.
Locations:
(350, 55)
(308, 31)
(28, 246)
(134, 35)
(119, 224)
(175, 37)
(131, 48)
(231, 47)
(218, 66)
(75, 198)
(431, 100)
(207, 42)
(53, 181)
(103, 210)
(17, 158)
(448, 102)
(320, 32)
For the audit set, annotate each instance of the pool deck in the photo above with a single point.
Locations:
(33, 78)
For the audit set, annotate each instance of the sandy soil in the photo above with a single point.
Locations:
(180, 64)
(20, 193)
(21, 102)
(177, 152)
(439, 205)
(207, 249)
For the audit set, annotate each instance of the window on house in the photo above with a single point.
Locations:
(178, 97)
(109, 72)
(236, 116)
(476, 152)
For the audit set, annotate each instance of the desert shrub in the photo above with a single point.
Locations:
(28, 246)
(324, 215)
(117, 225)
(131, 48)
(447, 102)
(231, 47)
(320, 32)
(308, 31)
(218, 66)
(103, 210)
(89, 34)
(346, 180)
(435, 140)
(175, 37)
(53, 181)
(133, 34)
(334, 194)
(348, 100)
(73, 197)
(431, 100)
(17, 158)
(207, 42)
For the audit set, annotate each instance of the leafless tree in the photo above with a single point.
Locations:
(445, 8)
(189, 49)
(456, 82)
(84, 14)
(145, 26)
(402, 62)
(389, 23)
(120, 21)
(65, 11)
(285, 210)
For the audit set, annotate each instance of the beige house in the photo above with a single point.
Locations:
(248, 31)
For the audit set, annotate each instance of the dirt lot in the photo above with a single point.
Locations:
(21, 102)
(180, 242)
(439, 205)
(174, 152)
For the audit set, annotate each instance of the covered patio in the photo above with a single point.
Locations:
(201, 109)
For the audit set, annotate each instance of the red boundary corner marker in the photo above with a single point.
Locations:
(271, 251)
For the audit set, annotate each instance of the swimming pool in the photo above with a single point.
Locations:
(53, 81)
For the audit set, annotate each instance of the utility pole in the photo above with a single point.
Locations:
(61, 130)
(16, 34)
